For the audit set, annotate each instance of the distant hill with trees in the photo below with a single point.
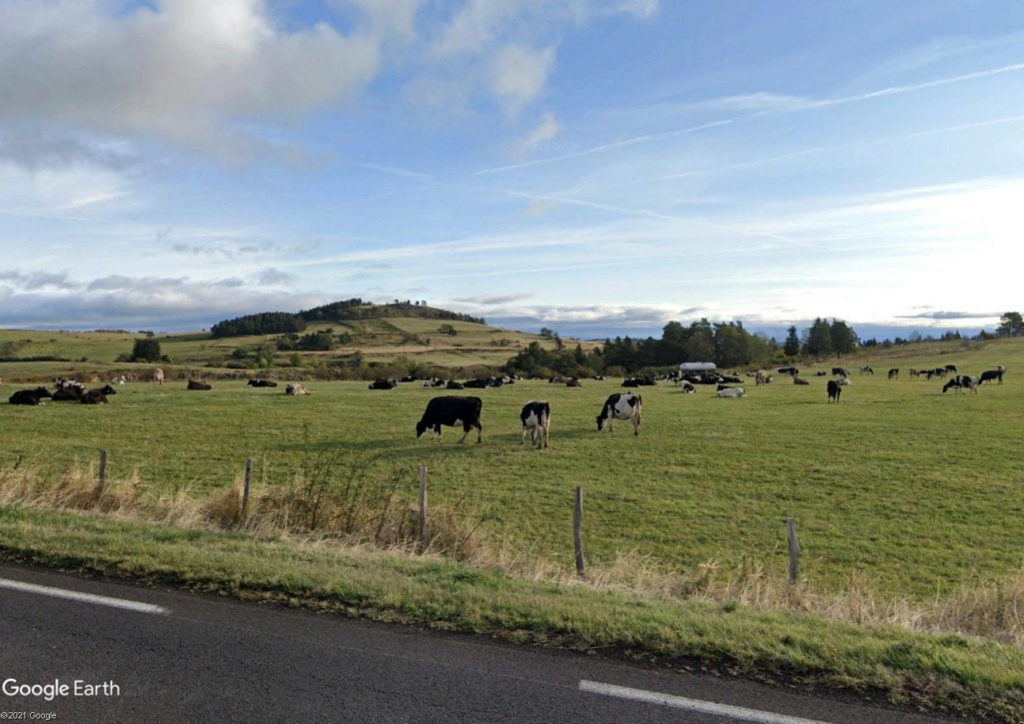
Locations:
(347, 310)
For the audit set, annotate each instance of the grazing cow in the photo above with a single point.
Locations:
(834, 390)
(29, 397)
(621, 406)
(761, 377)
(866, 370)
(158, 376)
(894, 373)
(536, 419)
(800, 381)
(731, 392)
(199, 385)
(792, 371)
(295, 390)
(914, 372)
(382, 383)
(840, 372)
(961, 381)
(451, 411)
(950, 368)
(262, 383)
(989, 375)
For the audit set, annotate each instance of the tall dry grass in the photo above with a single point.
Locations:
(358, 502)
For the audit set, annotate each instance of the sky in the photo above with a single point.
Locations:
(597, 167)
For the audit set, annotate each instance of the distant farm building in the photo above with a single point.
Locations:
(697, 367)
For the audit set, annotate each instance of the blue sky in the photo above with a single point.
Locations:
(598, 167)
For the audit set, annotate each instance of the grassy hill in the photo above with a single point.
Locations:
(387, 346)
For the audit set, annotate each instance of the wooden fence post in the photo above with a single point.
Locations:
(103, 469)
(794, 550)
(577, 532)
(245, 487)
(423, 505)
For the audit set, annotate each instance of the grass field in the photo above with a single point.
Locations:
(397, 343)
(907, 503)
(899, 490)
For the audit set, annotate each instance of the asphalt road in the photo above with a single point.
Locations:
(180, 657)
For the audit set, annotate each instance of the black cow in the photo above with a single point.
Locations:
(29, 397)
(198, 385)
(621, 406)
(834, 389)
(98, 397)
(68, 393)
(477, 384)
(383, 384)
(262, 383)
(789, 371)
(453, 385)
(989, 375)
(536, 419)
(840, 372)
(452, 411)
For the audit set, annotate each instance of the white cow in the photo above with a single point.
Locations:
(731, 392)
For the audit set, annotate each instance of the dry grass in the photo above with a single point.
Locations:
(357, 506)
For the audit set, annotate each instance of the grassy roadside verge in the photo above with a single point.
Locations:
(947, 673)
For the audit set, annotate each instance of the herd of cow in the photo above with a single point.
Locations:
(465, 412)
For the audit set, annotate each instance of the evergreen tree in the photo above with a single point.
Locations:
(791, 347)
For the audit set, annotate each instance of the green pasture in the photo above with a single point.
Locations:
(899, 490)
(381, 342)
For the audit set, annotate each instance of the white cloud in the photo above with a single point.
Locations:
(182, 72)
(519, 74)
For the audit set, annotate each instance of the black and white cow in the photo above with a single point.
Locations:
(29, 397)
(894, 373)
(536, 419)
(621, 406)
(262, 383)
(961, 381)
(451, 411)
(834, 390)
